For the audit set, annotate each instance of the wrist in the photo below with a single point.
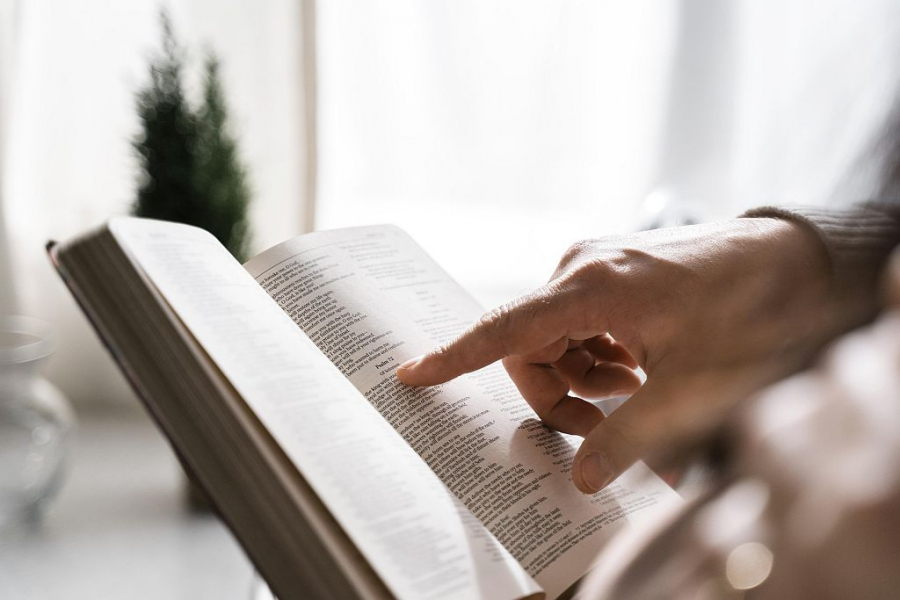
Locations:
(790, 277)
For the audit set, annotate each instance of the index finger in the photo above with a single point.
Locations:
(518, 327)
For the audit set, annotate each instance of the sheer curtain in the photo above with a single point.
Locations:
(497, 133)
(815, 82)
(7, 47)
(70, 118)
(500, 132)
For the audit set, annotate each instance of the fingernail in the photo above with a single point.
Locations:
(596, 471)
(411, 363)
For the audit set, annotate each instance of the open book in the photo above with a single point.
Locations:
(276, 385)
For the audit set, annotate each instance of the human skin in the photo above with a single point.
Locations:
(709, 312)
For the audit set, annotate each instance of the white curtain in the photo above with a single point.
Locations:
(497, 133)
(500, 132)
(68, 164)
(815, 82)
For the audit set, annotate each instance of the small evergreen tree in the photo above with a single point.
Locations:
(220, 176)
(190, 170)
(166, 146)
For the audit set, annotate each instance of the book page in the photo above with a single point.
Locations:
(413, 531)
(370, 298)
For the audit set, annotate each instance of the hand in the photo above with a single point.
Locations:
(709, 312)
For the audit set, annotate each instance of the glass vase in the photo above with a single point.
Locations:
(35, 421)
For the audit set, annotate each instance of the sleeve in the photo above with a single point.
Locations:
(858, 241)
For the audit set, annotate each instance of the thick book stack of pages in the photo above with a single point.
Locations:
(275, 382)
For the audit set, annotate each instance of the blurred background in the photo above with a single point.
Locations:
(495, 133)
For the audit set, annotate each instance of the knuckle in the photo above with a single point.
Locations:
(496, 322)
(496, 318)
(443, 351)
(591, 273)
(585, 290)
(590, 252)
(545, 413)
(574, 253)
(581, 267)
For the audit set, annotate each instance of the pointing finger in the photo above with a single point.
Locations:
(520, 327)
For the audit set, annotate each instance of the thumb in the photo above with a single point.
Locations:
(638, 427)
(672, 410)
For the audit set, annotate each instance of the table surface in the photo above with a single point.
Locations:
(120, 527)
